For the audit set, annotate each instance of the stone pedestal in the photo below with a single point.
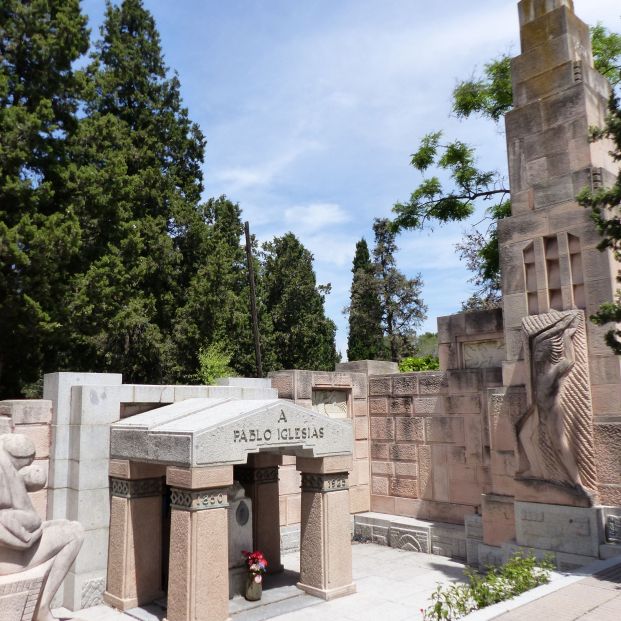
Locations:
(260, 480)
(20, 593)
(325, 546)
(198, 579)
(135, 550)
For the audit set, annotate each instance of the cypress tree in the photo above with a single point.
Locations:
(403, 309)
(302, 337)
(364, 341)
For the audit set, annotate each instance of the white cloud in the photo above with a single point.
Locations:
(315, 217)
(238, 178)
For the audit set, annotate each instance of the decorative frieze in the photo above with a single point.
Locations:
(268, 474)
(198, 500)
(323, 483)
(136, 488)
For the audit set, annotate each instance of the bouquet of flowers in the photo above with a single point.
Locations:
(256, 563)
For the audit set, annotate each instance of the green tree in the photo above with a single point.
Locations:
(365, 339)
(302, 337)
(40, 235)
(135, 180)
(605, 205)
(490, 96)
(401, 303)
(217, 299)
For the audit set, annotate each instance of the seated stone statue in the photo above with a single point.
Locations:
(25, 540)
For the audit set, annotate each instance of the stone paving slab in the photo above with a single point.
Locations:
(392, 585)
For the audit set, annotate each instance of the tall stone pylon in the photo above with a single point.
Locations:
(549, 258)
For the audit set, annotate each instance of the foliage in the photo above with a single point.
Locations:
(300, 335)
(109, 261)
(607, 53)
(364, 341)
(421, 363)
(605, 205)
(39, 233)
(490, 96)
(520, 573)
(403, 309)
(426, 344)
(213, 363)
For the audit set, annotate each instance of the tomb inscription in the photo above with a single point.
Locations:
(282, 432)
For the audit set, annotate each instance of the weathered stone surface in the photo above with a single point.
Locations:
(410, 429)
(573, 530)
(211, 432)
(43, 550)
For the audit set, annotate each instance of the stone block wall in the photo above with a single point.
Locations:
(428, 442)
(31, 418)
(316, 390)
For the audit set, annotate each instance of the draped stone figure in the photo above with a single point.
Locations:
(555, 436)
(27, 542)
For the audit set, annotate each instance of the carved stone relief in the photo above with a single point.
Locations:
(482, 354)
(331, 403)
(555, 435)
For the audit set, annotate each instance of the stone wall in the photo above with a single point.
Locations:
(336, 394)
(31, 418)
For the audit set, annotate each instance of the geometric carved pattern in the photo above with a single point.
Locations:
(555, 435)
(323, 483)
(613, 529)
(137, 488)
(92, 592)
(257, 475)
(198, 500)
(19, 599)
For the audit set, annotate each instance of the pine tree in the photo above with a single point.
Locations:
(302, 337)
(136, 182)
(364, 341)
(40, 235)
(402, 307)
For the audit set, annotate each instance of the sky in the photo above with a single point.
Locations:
(312, 108)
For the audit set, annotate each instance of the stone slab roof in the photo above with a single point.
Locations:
(211, 431)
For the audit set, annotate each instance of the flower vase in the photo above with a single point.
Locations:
(254, 589)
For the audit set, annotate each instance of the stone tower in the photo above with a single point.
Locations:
(549, 258)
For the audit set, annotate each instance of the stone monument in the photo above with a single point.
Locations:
(35, 556)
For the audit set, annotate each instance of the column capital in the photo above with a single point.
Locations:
(324, 483)
(136, 488)
(199, 500)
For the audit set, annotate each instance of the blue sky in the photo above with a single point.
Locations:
(311, 109)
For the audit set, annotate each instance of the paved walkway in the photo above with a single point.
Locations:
(392, 585)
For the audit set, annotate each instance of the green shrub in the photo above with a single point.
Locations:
(520, 573)
(213, 362)
(423, 363)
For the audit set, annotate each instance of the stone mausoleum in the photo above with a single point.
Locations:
(514, 443)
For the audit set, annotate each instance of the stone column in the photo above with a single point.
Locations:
(325, 545)
(260, 480)
(135, 548)
(198, 578)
